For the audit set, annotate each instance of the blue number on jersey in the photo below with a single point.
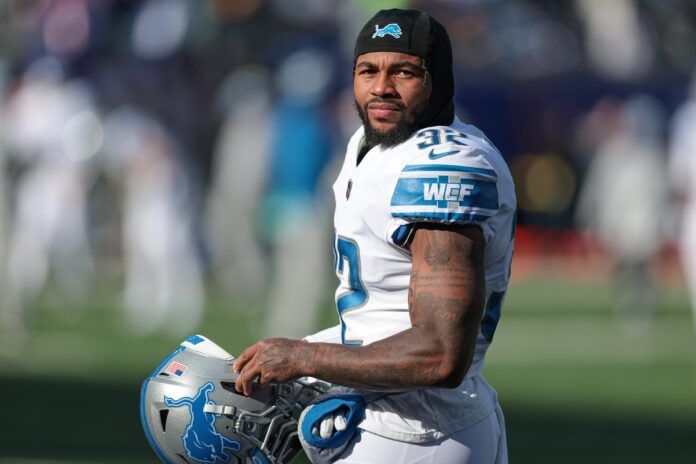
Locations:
(433, 137)
(347, 250)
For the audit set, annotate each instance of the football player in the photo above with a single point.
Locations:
(424, 228)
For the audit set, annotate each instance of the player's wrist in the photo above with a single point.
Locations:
(302, 359)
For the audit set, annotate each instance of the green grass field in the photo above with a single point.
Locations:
(576, 386)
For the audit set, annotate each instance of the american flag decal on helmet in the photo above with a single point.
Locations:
(176, 368)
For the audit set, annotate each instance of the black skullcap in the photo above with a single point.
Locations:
(414, 32)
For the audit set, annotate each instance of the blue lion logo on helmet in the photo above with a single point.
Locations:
(202, 442)
(391, 29)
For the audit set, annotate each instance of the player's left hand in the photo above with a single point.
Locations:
(328, 423)
(270, 360)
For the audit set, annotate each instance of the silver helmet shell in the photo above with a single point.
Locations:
(191, 412)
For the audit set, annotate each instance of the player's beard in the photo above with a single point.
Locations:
(394, 136)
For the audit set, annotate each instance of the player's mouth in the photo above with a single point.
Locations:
(384, 112)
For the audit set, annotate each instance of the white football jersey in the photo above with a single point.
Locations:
(682, 162)
(444, 174)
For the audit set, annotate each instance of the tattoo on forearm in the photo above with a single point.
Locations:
(445, 297)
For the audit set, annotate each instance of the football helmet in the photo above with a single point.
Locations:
(191, 412)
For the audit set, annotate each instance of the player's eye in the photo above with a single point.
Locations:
(404, 73)
(367, 72)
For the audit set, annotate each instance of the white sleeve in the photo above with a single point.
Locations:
(330, 335)
(461, 188)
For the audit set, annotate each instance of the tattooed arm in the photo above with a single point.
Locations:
(446, 299)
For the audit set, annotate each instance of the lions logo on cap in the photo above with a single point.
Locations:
(391, 29)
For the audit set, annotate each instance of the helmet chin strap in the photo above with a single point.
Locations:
(220, 409)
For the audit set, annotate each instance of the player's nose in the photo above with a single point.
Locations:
(383, 86)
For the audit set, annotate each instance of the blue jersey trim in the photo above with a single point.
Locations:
(143, 412)
(441, 192)
(401, 234)
(492, 315)
(444, 217)
(449, 167)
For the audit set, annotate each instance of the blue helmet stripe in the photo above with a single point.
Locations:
(194, 339)
(143, 419)
(143, 412)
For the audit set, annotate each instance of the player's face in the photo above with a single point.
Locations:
(391, 90)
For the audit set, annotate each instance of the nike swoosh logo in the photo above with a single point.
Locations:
(433, 156)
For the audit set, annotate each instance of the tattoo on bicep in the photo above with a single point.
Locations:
(448, 285)
(436, 253)
(411, 294)
(445, 249)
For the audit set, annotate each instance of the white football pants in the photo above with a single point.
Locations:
(482, 443)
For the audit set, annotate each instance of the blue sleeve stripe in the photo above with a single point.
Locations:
(442, 192)
(491, 315)
(450, 167)
(444, 217)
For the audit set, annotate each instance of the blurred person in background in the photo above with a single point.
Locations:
(240, 171)
(682, 174)
(51, 127)
(158, 149)
(623, 199)
(267, 209)
(294, 212)
(424, 225)
(132, 55)
(616, 40)
(7, 317)
(163, 275)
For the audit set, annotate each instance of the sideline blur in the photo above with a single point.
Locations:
(164, 144)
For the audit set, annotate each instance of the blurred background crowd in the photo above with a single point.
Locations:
(164, 149)
(168, 143)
